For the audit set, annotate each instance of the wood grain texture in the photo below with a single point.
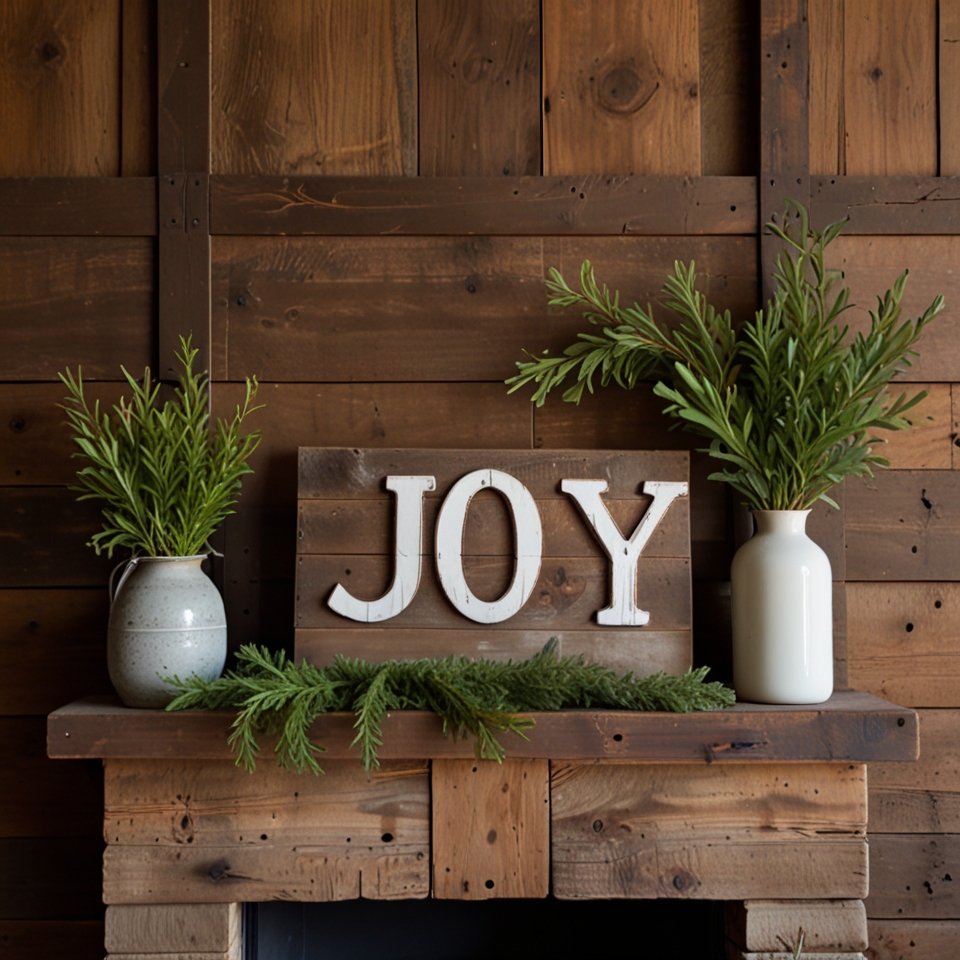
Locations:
(209, 805)
(729, 105)
(872, 264)
(104, 285)
(887, 205)
(282, 72)
(902, 525)
(911, 876)
(42, 939)
(60, 78)
(487, 206)
(30, 890)
(829, 925)
(948, 86)
(57, 634)
(78, 206)
(903, 641)
(45, 532)
(849, 726)
(890, 87)
(955, 404)
(921, 797)
(638, 831)
(643, 652)
(169, 928)
(479, 84)
(912, 939)
(138, 88)
(621, 87)
(440, 309)
(44, 797)
(928, 444)
(827, 132)
(491, 829)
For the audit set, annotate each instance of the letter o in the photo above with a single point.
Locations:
(527, 545)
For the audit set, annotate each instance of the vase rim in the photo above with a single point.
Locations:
(146, 559)
(781, 512)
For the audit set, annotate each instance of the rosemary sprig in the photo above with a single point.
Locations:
(479, 698)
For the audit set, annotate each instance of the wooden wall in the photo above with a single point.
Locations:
(466, 148)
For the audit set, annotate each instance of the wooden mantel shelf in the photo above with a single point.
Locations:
(850, 726)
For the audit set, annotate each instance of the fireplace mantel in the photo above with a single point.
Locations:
(763, 807)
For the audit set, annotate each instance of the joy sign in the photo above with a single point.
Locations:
(429, 552)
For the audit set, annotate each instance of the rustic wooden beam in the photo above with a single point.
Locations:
(850, 726)
(784, 124)
(431, 206)
(78, 206)
(183, 140)
(887, 205)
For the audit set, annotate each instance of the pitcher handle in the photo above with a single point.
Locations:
(131, 565)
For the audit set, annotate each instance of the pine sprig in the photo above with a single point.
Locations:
(789, 401)
(166, 479)
(477, 698)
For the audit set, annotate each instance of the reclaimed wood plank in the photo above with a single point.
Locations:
(210, 805)
(928, 444)
(827, 135)
(104, 285)
(569, 592)
(911, 876)
(644, 653)
(78, 206)
(890, 87)
(829, 925)
(898, 205)
(485, 205)
(948, 87)
(729, 33)
(42, 939)
(43, 797)
(850, 726)
(902, 525)
(479, 83)
(60, 635)
(621, 88)
(903, 641)
(169, 928)
(292, 303)
(490, 829)
(138, 89)
(60, 72)
(897, 939)
(367, 527)
(637, 831)
(283, 70)
(921, 797)
(30, 890)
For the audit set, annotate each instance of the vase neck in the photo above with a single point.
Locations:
(781, 521)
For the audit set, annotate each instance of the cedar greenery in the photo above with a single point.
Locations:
(479, 697)
(167, 480)
(789, 401)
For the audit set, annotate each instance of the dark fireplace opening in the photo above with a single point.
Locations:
(470, 930)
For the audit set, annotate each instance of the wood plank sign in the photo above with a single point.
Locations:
(414, 553)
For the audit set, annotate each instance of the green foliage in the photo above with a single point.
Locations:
(166, 479)
(478, 697)
(789, 401)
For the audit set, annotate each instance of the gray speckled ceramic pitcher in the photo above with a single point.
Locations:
(166, 618)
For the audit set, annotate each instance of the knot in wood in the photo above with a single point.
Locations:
(627, 87)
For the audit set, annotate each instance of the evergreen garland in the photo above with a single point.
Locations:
(274, 695)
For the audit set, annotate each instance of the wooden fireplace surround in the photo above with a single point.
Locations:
(763, 807)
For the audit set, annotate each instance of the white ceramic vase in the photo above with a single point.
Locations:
(782, 604)
(166, 619)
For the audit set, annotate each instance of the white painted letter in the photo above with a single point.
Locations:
(624, 554)
(406, 575)
(527, 549)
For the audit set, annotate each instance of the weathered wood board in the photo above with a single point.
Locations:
(911, 876)
(201, 832)
(174, 928)
(736, 833)
(346, 534)
(491, 829)
(829, 925)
